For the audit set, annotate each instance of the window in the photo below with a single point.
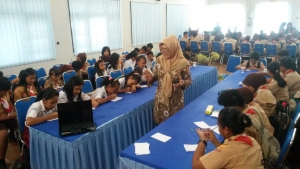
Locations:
(269, 15)
(146, 26)
(26, 32)
(95, 24)
(177, 19)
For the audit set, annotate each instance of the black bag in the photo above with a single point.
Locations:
(272, 164)
(281, 120)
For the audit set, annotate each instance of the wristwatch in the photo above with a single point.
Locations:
(203, 141)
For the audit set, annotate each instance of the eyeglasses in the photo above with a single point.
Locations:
(165, 49)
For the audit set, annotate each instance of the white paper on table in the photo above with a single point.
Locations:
(202, 125)
(53, 119)
(128, 92)
(142, 148)
(190, 147)
(213, 127)
(215, 114)
(144, 86)
(116, 99)
(216, 130)
(161, 137)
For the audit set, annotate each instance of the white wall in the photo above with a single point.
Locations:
(62, 33)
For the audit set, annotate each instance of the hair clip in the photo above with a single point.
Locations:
(137, 74)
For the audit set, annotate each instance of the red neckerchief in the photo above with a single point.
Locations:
(31, 92)
(287, 72)
(250, 111)
(7, 107)
(245, 139)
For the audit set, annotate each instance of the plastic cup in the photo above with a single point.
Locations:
(242, 69)
(194, 64)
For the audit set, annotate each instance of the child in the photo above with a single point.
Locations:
(246, 40)
(100, 68)
(137, 50)
(7, 117)
(130, 59)
(77, 65)
(108, 90)
(129, 82)
(185, 38)
(105, 54)
(253, 64)
(149, 47)
(54, 79)
(17, 80)
(72, 92)
(44, 107)
(114, 63)
(141, 63)
(143, 50)
(150, 59)
(28, 85)
(82, 58)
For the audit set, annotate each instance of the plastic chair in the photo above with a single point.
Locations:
(42, 81)
(182, 44)
(87, 86)
(116, 74)
(292, 50)
(259, 48)
(216, 47)
(179, 36)
(228, 51)
(153, 64)
(124, 60)
(11, 77)
(22, 106)
(245, 50)
(91, 72)
(99, 80)
(271, 50)
(204, 47)
(40, 72)
(194, 47)
(57, 66)
(287, 143)
(233, 61)
(127, 70)
(67, 75)
(91, 61)
(264, 61)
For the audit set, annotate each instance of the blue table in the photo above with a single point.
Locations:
(118, 125)
(172, 154)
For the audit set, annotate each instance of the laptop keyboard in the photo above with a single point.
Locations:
(77, 126)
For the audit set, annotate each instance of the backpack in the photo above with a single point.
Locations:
(281, 120)
(269, 144)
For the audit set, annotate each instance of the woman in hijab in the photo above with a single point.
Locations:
(257, 83)
(172, 71)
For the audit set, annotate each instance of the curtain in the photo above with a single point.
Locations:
(146, 23)
(95, 24)
(26, 32)
(177, 19)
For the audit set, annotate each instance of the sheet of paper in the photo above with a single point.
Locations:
(216, 130)
(190, 147)
(53, 119)
(202, 125)
(215, 114)
(161, 137)
(116, 99)
(213, 127)
(142, 148)
(128, 92)
(144, 86)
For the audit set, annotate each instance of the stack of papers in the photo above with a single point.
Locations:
(161, 137)
(190, 147)
(116, 99)
(142, 148)
(203, 125)
(215, 114)
(144, 86)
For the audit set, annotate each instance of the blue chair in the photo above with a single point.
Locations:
(287, 143)
(297, 44)
(125, 53)
(124, 60)
(295, 121)
(216, 47)
(228, 51)
(194, 47)
(40, 72)
(153, 64)
(127, 70)
(22, 106)
(271, 50)
(182, 44)
(99, 80)
(259, 48)
(91, 72)
(11, 77)
(233, 61)
(91, 61)
(87, 86)
(67, 75)
(264, 61)
(204, 47)
(292, 50)
(116, 74)
(245, 49)
(57, 66)
(42, 81)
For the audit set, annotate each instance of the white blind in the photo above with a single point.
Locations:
(177, 19)
(146, 23)
(26, 32)
(95, 23)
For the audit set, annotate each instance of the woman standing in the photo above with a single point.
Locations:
(172, 71)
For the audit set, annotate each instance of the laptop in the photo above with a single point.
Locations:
(75, 117)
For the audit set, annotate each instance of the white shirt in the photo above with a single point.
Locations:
(38, 109)
(99, 93)
(122, 82)
(64, 99)
(149, 63)
(104, 74)
(129, 63)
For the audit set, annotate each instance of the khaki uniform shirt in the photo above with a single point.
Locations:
(280, 93)
(20, 93)
(49, 83)
(232, 41)
(234, 155)
(265, 99)
(2, 110)
(293, 82)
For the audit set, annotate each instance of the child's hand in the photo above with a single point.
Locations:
(149, 81)
(112, 97)
(53, 115)
(128, 89)
(133, 88)
(94, 103)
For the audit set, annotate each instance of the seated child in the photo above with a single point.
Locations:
(253, 64)
(107, 91)
(54, 79)
(100, 68)
(129, 82)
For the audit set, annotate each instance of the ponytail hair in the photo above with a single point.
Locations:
(135, 76)
(234, 119)
(132, 54)
(274, 68)
(110, 81)
(47, 94)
